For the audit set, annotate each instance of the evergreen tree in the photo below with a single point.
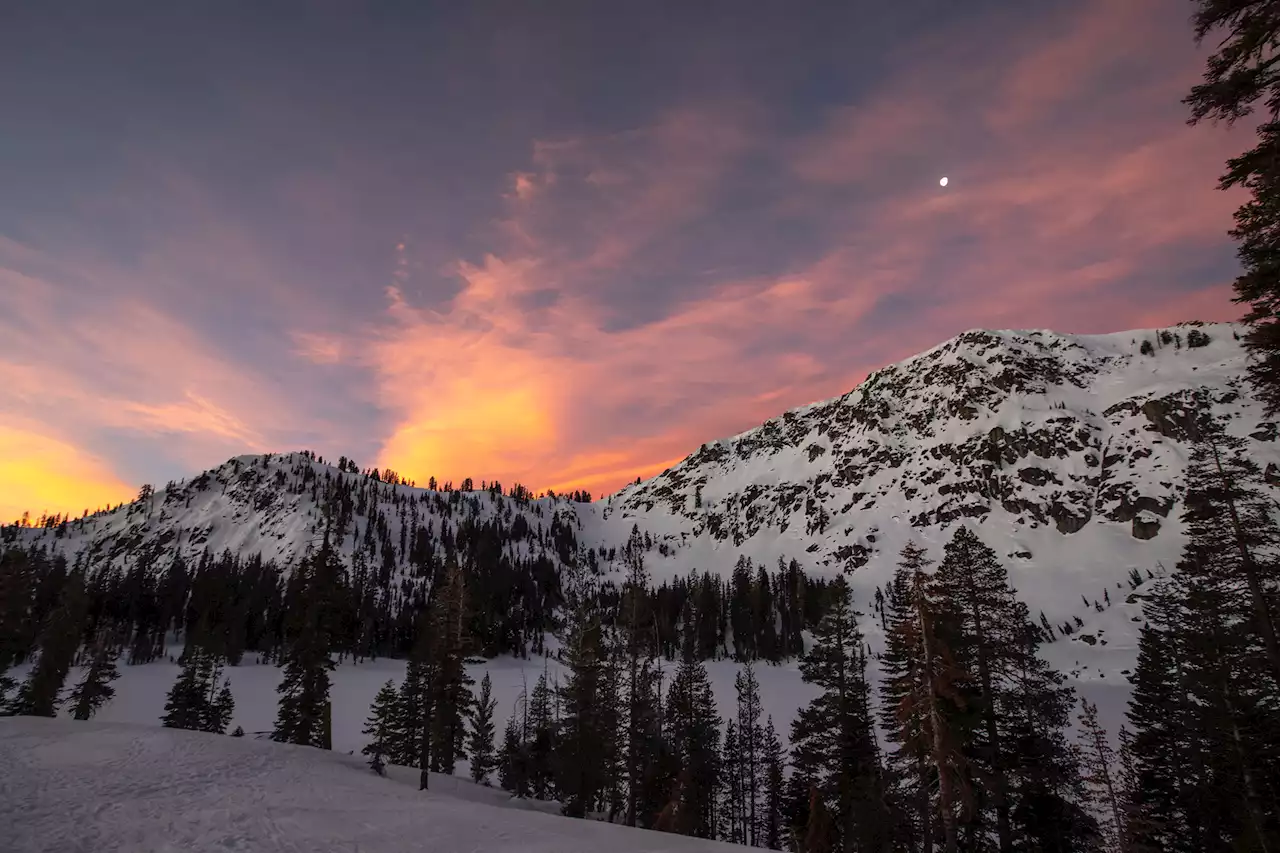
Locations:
(1205, 748)
(751, 750)
(480, 734)
(410, 739)
(647, 792)
(1098, 761)
(1229, 518)
(832, 738)
(195, 701)
(380, 728)
(513, 759)
(303, 713)
(450, 684)
(94, 689)
(220, 710)
(1019, 761)
(59, 640)
(1241, 72)
(918, 699)
(773, 820)
(580, 734)
(540, 741)
(692, 728)
(732, 827)
(17, 598)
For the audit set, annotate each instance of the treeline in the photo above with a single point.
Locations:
(976, 753)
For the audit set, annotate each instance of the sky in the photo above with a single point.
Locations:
(560, 243)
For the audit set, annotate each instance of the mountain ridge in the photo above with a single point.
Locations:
(1064, 452)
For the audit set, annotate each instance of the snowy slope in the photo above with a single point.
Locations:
(111, 787)
(1065, 453)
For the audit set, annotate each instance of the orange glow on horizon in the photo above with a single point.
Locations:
(39, 475)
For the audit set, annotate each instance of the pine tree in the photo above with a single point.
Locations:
(612, 718)
(647, 793)
(380, 727)
(692, 728)
(540, 740)
(450, 683)
(731, 825)
(303, 713)
(1242, 72)
(59, 640)
(1205, 750)
(195, 701)
(772, 821)
(1229, 518)
(412, 700)
(220, 710)
(480, 733)
(1098, 760)
(751, 746)
(17, 594)
(978, 621)
(94, 689)
(580, 736)
(832, 738)
(1017, 754)
(918, 699)
(513, 759)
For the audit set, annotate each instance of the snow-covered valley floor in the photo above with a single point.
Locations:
(105, 787)
(141, 690)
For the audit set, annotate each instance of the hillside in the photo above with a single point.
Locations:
(1064, 452)
(108, 786)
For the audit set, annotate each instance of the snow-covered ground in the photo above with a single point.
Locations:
(141, 691)
(104, 787)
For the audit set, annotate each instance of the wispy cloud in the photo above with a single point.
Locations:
(606, 301)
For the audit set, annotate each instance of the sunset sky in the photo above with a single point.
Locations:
(560, 243)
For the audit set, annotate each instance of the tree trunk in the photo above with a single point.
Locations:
(946, 796)
(1003, 830)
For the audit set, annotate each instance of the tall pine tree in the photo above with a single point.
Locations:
(304, 711)
(480, 733)
(58, 643)
(692, 728)
(833, 743)
(1242, 72)
(94, 689)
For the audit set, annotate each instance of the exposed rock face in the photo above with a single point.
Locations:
(1009, 430)
(1071, 448)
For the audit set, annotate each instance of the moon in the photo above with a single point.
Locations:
(942, 183)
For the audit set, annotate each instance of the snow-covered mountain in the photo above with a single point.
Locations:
(1065, 452)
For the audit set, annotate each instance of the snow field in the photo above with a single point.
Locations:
(112, 788)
